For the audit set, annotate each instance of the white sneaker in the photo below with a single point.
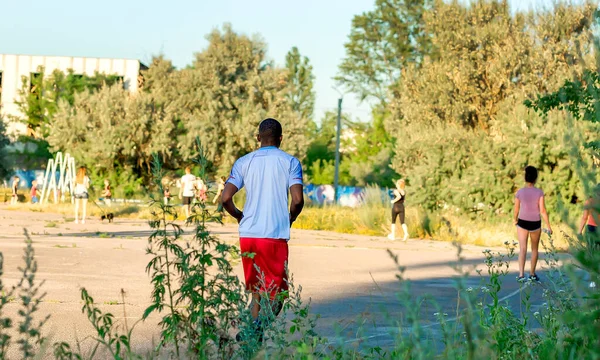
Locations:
(405, 238)
(83, 221)
(391, 237)
(76, 221)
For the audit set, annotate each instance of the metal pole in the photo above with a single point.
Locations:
(336, 179)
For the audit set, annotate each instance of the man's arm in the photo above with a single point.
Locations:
(228, 204)
(297, 203)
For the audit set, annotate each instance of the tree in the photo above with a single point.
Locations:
(40, 94)
(462, 135)
(486, 55)
(228, 91)
(111, 130)
(381, 43)
(4, 142)
(301, 95)
(220, 99)
(371, 162)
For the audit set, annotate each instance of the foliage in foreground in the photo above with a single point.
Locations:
(202, 305)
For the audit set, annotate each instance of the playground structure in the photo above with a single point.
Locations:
(65, 166)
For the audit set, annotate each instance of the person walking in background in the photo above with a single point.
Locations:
(15, 191)
(529, 211)
(166, 194)
(398, 209)
(82, 184)
(107, 193)
(34, 198)
(201, 191)
(269, 175)
(220, 188)
(589, 222)
(590, 216)
(186, 190)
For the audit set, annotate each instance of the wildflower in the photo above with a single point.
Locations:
(536, 313)
(436, 314)
(485, 289)
(469, 289)
(506, 243)
(515, 243)
(445, 314)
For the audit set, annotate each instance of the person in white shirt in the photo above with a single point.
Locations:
(270, 175)
(187, 190)
(80, 193)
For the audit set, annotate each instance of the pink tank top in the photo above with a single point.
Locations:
(530, 203)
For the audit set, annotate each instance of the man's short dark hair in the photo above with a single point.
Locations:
(531, 174)
(270, 129)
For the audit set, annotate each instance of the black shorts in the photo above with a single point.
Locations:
(82, 196)
(187, 200)
(529, 225)
(398, 210)
(592, 229)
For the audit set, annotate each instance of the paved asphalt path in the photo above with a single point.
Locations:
(350, 279)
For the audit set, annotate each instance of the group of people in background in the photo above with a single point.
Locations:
(529, 211)
(193, 189)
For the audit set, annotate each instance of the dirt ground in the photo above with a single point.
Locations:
(350, 280)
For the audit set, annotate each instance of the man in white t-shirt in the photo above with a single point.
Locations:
(187, 190)
(269, 175)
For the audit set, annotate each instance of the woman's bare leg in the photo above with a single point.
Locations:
(76, 210)
(522, 235)
(84, 201)
(535, 242)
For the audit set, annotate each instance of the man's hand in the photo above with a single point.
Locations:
(239, 216)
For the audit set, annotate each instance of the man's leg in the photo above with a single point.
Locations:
(271, 258)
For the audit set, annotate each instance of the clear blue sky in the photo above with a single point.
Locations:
(139, 29)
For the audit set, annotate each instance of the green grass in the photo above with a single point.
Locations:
(51, 224)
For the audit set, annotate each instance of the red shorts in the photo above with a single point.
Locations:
(271, 257)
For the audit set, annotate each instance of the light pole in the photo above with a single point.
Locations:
(336, 178)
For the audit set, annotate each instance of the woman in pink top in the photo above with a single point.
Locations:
(528, 214)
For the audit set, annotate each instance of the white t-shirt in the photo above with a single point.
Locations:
(267, 173)
(82, 188)
(187, 183)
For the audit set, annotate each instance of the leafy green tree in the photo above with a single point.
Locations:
(111, 130)
(41, 93)
(4, 142)
(301, 94)
(228, 91)
(381, 43)
(220, 100)
(462, 136)
(371, 162)
(485, 55)
(320, 155)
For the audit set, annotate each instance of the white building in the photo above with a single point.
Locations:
(14, 67)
